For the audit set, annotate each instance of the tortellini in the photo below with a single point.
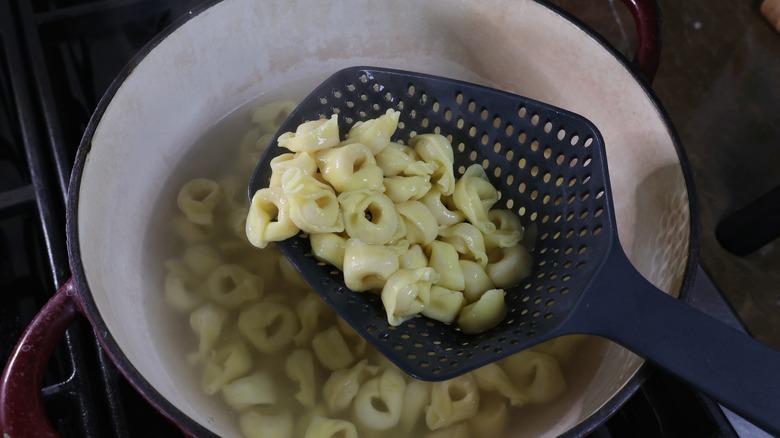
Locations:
(452, 401)
(374, 133)
(255, 389)
(358, 198)
(300, 368)
(350, 167)
(269, 218)
(483, 314)
(198, 199)
(278, 356)
(342, 386)
(321, 427)
(331, 349)
(474, 195)
(207, 322)
(312, 136)
(407, 292)
(268, 326)
(267, 422)
(437, 151)
(225, 365)
(379, 401)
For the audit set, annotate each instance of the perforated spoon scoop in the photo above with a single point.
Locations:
(549, 166)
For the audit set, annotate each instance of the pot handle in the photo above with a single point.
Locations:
(647, 17)
(21, 405)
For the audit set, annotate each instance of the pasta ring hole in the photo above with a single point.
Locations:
(274, 326)
(379, 404)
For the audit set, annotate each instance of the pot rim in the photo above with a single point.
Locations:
(189, 425)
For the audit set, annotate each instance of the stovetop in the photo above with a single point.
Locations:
(58, 56)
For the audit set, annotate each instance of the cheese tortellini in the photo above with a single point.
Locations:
(279, 357)
(362, 198)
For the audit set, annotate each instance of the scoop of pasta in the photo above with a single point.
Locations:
(400, 224)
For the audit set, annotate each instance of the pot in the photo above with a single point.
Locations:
(228, 53)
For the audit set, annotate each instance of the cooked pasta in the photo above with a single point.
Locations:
(207, 322)
(283, 361)
(342, 386)
(369, 216)
(225, 365)
(538, 374)
(367, 266)
(455, 431)
(484, 313)
(267, 422)
(421, 226)
(441, 211)
(374, 133)
(491, 377)
(311, 311)
(379, 401)
(269, 218)
(303, 161)
(407, 292)
(416, 398)
(329, 248)
(300, 368)
(508, 266)
(443, 304)
(268, 326)
(467, 240)
(231, 286)
(181, 293)
(268, 117)
(321, 427)
(350, 167)
(331, 349)
(358, 196)
(475, 280)
(255, 389)
(436, 150)
(397, 159)
(452, 401)
(313, 205)
(197, 200)
(474, 195)
(312, 136)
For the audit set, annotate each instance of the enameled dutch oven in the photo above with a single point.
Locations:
(229, 52)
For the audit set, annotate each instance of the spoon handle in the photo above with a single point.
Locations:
(726, 364)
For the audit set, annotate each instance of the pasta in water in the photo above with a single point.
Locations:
(377, 193)
(280, 358)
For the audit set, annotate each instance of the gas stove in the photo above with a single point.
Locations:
(57, 57)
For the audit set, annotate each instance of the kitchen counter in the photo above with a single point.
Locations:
(719, 82)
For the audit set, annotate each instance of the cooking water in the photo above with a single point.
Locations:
(291, 383)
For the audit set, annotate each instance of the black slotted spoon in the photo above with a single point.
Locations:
(549, 166)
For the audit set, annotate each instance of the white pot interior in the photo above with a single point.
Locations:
(239, 49)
